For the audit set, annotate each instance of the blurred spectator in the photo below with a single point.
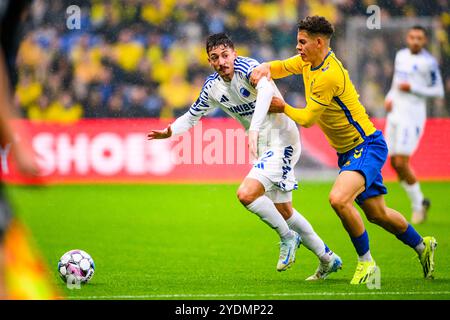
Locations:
(134, 58)
(28, 89)
(177, 95)
(94, 106)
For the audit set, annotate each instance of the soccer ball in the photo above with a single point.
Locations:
(76, 266)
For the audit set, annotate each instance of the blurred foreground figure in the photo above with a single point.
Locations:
(22, 274)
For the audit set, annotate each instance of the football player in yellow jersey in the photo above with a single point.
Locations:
(332, 102)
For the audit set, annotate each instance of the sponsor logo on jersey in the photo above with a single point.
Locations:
(358, 153)
(245, 109)
(244, 92)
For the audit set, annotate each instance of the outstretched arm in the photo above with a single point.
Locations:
(326, 86)
(179, 126)
(182, 124)
(277, 69)
(160, 134)
(305, 117)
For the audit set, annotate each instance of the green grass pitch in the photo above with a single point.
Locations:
(198, 242)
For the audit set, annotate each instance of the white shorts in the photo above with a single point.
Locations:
(402, 139)
(275, 170)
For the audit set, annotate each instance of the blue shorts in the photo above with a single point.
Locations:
(367, 158)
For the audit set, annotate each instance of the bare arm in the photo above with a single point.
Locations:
(182, 124)
(21, 153)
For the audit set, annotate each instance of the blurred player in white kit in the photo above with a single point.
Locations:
(416, 78)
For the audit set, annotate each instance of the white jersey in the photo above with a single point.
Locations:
(238, 98)
(422, 73)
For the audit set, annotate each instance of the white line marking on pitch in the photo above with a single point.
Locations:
(374, 293)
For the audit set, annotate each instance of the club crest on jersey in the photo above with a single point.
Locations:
(311, 85)
(244, 92)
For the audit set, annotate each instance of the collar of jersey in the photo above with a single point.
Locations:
(320, 65)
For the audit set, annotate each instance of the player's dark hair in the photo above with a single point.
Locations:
(316, 25)
(218, 39)
(419, 27)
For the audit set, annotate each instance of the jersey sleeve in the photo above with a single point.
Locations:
(325, 87)
(435, 89)
(283, 68)
(266, 91)
(202, 106)
(245, 65)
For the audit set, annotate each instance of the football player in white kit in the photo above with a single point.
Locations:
(416, 78)
(273, 140)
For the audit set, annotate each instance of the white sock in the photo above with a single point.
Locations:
(310, 239)
(266, 210)
(366, 257)
(420, 248)
(415, 195)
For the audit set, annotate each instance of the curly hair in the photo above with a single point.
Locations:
(316, 25)
(218, 39)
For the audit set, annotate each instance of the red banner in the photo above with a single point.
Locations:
(102, 151)
(431, 161)
(98, 151)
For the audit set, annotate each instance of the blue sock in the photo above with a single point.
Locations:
(361, 243)
(410, 237)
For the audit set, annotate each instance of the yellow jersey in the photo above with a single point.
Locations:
(331, 100)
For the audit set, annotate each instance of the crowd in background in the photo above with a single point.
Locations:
(135, 58)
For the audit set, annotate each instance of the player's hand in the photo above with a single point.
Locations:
(160, 134)
(277, 105)
(253, 143)
(388, 105)
(404, 86)
(263, 70)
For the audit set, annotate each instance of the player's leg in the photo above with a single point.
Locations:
(299, 224)
(347, 187)
(407, 139)
(391, 220)
(328, 261)
(251, 194)
(357, 168)
(373, 205)
(411, 185)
